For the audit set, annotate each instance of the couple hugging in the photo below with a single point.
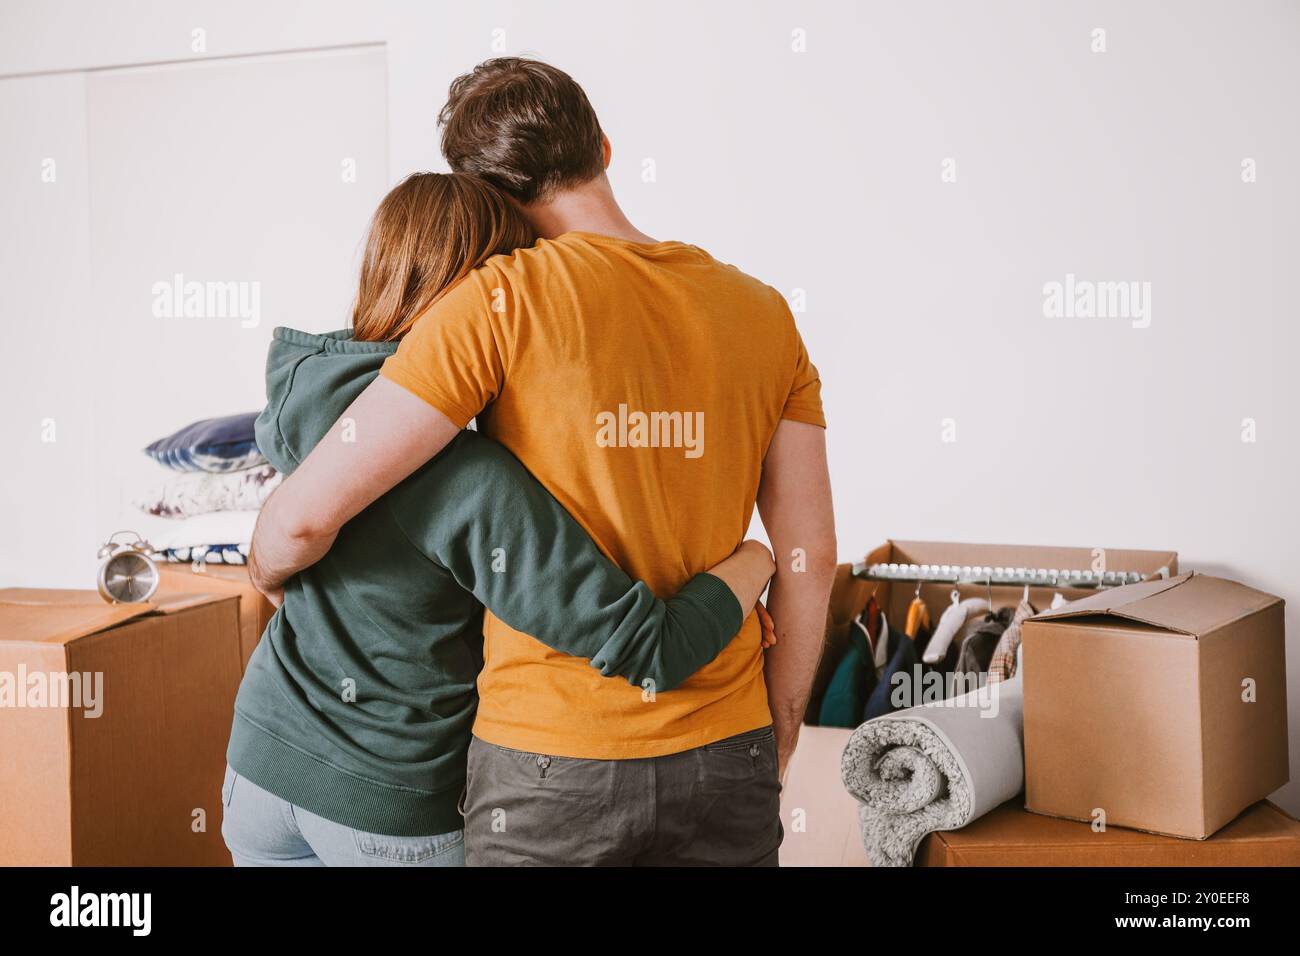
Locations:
(537, 643)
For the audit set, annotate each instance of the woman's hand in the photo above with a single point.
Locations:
(747, 572)
(769, 628)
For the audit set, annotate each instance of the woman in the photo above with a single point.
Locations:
(353, 719)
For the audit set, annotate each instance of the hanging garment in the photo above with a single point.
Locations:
(981, 639)
(853, 681)
(918, 617)
(1002, 666)
(870, 618)
(887, 641)
(950, 624)
(905, 658)
(869, 623)
(884, 638)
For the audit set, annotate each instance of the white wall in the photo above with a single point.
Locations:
(821, 171)
(257, 172)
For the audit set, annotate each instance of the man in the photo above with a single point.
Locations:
(658, 395)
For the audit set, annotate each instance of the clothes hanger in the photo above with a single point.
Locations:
(951, 621)
(918, 615)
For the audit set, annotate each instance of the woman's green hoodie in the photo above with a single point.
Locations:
(358, 702)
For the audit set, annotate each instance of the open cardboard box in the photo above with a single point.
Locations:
(115, 754)
(820, 816)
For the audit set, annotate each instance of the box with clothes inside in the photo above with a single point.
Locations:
(923, 661)
(1151, 700)
(899, 640)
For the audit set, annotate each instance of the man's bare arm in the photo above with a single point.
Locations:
(794, 501)
(383, 436)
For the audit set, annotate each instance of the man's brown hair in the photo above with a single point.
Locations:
(522, 125)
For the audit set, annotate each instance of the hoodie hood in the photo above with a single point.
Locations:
(310, 381)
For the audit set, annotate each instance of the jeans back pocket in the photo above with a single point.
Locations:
(414, 850)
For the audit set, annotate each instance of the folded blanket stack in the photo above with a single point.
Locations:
(214, 501)
(935, 767)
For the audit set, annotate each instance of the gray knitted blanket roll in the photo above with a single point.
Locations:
(934, 767)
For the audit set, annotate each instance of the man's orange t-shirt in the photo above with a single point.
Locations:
(641, 385)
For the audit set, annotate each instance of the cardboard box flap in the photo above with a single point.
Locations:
(1120, 602)
(1206, 603)
(60, 616)
(1192, 604)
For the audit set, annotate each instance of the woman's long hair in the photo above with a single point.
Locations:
(430, 231)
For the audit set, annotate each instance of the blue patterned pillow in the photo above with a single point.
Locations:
(213, 445)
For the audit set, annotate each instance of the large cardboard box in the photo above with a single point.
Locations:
(1160, 704)
(255, 611)
(113, 728)
(1010, 836)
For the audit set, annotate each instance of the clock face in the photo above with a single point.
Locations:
(130, 578)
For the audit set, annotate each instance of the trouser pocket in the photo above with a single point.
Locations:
(753, 742)
(409, 850)
(534, 808)
(744, 760)
(738, 820)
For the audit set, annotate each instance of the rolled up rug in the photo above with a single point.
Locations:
(935, 767)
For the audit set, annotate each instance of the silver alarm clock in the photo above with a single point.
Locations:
(127, 572)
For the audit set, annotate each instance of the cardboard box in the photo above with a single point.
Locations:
(254, 610)
(820, 817)
(1162, 704)
(849, 595)
(139, 783)
(1010, 836)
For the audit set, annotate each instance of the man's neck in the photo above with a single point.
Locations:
(590, 207)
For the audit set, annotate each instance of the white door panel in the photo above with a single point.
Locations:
(47, 429)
